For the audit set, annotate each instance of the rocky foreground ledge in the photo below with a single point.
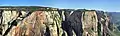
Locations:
(47, 21)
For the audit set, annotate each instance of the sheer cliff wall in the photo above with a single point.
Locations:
(53, 22)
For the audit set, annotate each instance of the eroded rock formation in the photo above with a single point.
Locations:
(54, 22)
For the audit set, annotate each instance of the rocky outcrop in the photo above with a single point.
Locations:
(73, 23)
(54, 22)
(89, 22)
(36, 24)
(8, 17)
(32, 25)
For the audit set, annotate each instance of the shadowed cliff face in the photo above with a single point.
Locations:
(62, 22)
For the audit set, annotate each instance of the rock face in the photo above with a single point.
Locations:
(8, 17)
(36, 24)
(32, 25)
(73, 23)
(62, 22)
(1, 18)
(89, 21)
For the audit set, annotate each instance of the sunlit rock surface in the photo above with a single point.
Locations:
(47, 21)
(89, 22)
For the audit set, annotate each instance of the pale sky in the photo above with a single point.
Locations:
(105, 5)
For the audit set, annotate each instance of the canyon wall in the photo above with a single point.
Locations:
(54, 22)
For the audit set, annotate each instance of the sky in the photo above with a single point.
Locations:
(104, 5)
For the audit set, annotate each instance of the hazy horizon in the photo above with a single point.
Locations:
(104, 5)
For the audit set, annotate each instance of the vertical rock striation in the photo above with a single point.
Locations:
(52, 22)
